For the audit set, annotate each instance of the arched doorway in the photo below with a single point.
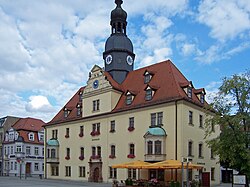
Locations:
(96, 175)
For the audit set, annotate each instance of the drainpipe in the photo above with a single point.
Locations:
(176, 117)
(45, 153)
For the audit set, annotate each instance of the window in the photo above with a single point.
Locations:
(131, 151)
(31, 136)
(129, 99)
(28, 150)
(190, 148)
(15, 166)
(190, 118)
(82, 172)
(147, 78)
(202, 98)
(67, 154)
(212, 153)
(159, 118)
(96, 105)
(36, 167)
(54, 170)
(158, 147)
(200, 151)
(99, 151)
(66, 112)
(112, 173)
(11, 165)
(68, 171)
(131, 126)
(189, 90)
(81, 157)
(53, 153)
(148, 95)
(158, 121)
(19, 149)
(201, 121)
(112, 151)
(150, 147)
(81, 131)
(153, 119)
(190, 174)
(54, 134)
(132, 173)
(11, 150)
(67, 133)
(42, 151)
(112, 126)
(95, 129)
(93, 151)
(36, 151)
(212, 174)
(79, 110)
(41, 137)
(42, 166)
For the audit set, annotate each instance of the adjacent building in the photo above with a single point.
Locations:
(152, 114)
(5, 124)
(23, 148)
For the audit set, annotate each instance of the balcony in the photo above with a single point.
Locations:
(53, 160)
(155, 157)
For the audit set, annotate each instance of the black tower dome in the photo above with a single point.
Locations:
(118, 55)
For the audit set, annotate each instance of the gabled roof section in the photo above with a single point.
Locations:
(29, 124)
(71, 106)
(168, 82)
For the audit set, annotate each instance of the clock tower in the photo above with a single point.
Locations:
(118, 55)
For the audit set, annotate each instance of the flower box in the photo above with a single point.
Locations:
(112, 156)
(131, 156)
(67, 157)
(131, 129)
(81, 157)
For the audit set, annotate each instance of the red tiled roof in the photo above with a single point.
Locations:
(25, 135)
(167, 82)
(72, 106)
(29, 124)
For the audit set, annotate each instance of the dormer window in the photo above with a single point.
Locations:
(31, 136)
(129, 98)
(79, 110)
(189, 92)
(80, 96)
(202, 98)
(66, 112)
(147, 77)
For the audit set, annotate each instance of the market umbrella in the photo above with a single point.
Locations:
(138, 164)
(171, 164)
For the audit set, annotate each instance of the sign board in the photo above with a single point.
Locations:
(239, 179)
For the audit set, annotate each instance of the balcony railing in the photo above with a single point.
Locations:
(155, 157)
(53, 160)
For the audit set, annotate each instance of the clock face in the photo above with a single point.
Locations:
(95, 84)
(108, 59)
(130, 60)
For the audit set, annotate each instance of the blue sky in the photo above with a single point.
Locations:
(48, 47)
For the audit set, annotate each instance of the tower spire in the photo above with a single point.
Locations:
(118, 55)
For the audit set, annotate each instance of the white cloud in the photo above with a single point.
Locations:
(39, 103)
(227, 19)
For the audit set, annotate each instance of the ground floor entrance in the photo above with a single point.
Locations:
(95, 172)
(28, 169)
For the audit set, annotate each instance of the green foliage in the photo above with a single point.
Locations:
(231, 109)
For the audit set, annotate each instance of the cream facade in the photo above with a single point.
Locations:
(180, 131)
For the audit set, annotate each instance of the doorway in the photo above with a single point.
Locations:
(28, 169)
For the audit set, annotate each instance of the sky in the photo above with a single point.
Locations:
(48, 47)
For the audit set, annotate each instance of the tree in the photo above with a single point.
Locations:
(231, 109)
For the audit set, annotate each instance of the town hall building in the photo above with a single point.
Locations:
(121, 115)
